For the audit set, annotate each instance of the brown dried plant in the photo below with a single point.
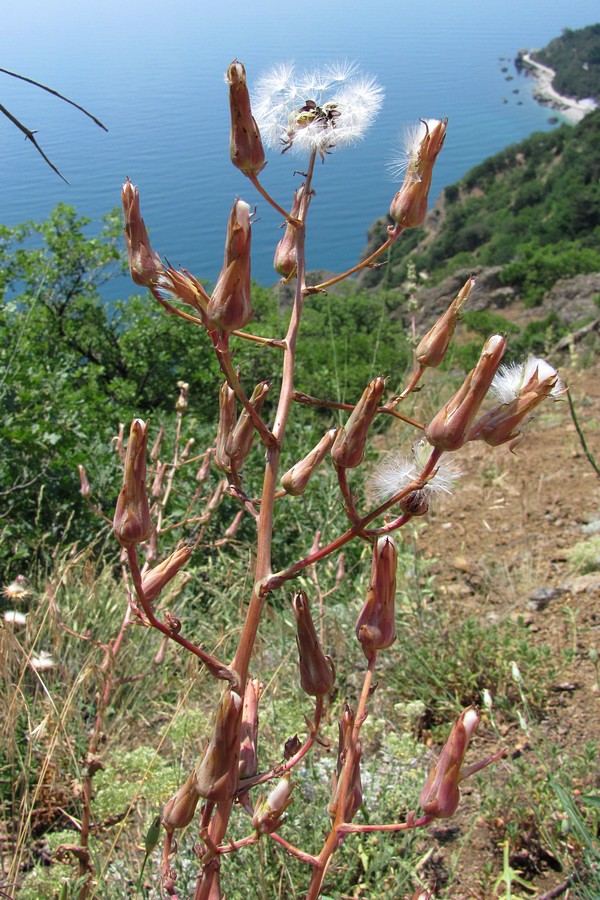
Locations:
(312, 115)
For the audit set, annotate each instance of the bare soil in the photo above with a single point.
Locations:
(500, 549)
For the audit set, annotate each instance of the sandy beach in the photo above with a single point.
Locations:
(572, 109)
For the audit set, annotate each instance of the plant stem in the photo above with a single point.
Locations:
(335, 837)
(591, 459)
(394, 234)
(241, 660)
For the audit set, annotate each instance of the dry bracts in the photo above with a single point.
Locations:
(132, 523)
(349, 447)
(245, 145)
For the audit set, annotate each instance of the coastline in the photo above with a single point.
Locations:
(573, 110)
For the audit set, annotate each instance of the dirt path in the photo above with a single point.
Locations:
(500, 550)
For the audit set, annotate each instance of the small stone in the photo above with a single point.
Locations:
(542, 597)
(592, 527)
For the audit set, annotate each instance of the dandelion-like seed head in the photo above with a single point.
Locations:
(397, 472)
(17, 589)
(315, 110)
(510, 380)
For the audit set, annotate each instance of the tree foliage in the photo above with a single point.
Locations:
(72, 368)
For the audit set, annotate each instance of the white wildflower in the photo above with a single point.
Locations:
(396, 472)
(17, 589)
(516, 673)
(15, 618)
(43, 661)
(316, 110)
(510, 380)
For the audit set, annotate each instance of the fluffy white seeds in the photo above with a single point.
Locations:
(396, 472)
(316, 110)
(510, 379)
(410, 141)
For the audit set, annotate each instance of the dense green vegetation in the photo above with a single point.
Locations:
(534, 209)
(575, 57)
(72, 369)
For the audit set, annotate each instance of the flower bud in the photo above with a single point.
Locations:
(523, 387)
(286, 257)
(248, 765)
(349, 446)
(241, 438)
(132, 523)
(227, 411)
(230, 306)
(155, 579)
(217, 772)
(84, 489)
(376, 624)
(440, 796)
(409, 206)
(317, 672)
(450, 428)
(296, 479)
(432, 349)
(268, 814)
(182, 286)
(245, 145)
(144, 264)
(354, 796)
(179, 811)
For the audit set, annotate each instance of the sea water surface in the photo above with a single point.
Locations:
(153, 72)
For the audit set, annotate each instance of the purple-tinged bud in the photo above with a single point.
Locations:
(189, 444)
(227, 413)
(340, 571)
(158, 484)
(245, 145)
(409, 206)
(217, 771)
(179, 811)
(248, 764)
(432, 349)
(522, 387)
(203, 471)
(84, 489)
(181, 285)
(230, 306)
(376, 624)
(241, 438)
(132, 523)
(157, 578)
(144, 264)
(450, 428)
(286, 252)
(118, 443)
(296, 479)
(317, 672)
(354, 796)
(155, 452)
(349, 446)
(415, 504)
(440, 796)
(268, 814)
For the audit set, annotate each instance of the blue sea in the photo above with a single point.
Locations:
(153, 72)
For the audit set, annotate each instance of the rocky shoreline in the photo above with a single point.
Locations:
(571, 108)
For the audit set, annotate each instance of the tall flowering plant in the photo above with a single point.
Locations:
(310, 114)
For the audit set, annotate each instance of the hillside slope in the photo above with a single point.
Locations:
(532, 210)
